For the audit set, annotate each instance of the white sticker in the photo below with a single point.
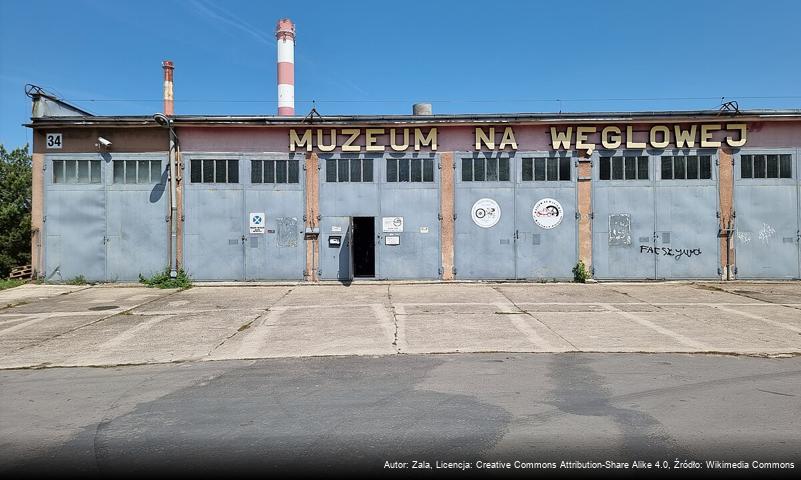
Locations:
(486, 213)
(392, 240)
(392, 224)
(336, 228)
(547, 213)
(53, 140)
(257, 221)
(423, 229)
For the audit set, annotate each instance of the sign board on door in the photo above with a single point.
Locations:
(257, 221)
(392, 240)
(392, 224)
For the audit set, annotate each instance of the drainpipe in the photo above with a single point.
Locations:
(165, 120)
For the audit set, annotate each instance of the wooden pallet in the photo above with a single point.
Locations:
(21, 273)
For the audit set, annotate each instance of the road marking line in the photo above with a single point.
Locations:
(763, 319)
(664, 331)
(20, 326)
(518, 320)
(255, 337)
(130, 333)
(385, 321)
(19, 318)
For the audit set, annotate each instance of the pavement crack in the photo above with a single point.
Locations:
(394, 318)
(540, 322)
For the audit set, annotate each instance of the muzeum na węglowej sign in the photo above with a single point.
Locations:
(490, 138)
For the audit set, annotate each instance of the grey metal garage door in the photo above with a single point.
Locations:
(766, 203)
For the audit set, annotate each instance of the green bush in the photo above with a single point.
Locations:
(163, 280)
(15, 209)
(8, 283)
(79, 280)
(580, 273)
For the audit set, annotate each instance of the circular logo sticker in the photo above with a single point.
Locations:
(547, 213)
(486, 213)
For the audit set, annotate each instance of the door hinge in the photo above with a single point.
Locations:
(735, 270)
(717, 214)
(454, 270)
(455, 215)
(166, 218)
(734, 214)
(592, 215)
(439, 165)
(44, 165)
(304, 169)
(592, 271)
(44, 219)
(183, 217)
(318, 217)
(304, 217)
(440, 270)
(717, 162)
(320, 272)
(439, 216)
(578, 216)
(720, 272)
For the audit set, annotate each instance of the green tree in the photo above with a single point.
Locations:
(15, 208)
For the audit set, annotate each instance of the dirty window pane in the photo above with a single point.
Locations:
(403, 170)
(667, 168)
(130, 171)
(293, 171)
(330, 170)
(746, 167)
(155, 171)
(256, 171)
(539, 169)
(503, 169)
(642, 168)
(759, 166)
(280, 171)
(467, 170)
(343, 166)
(143, 175)
(478, 170)
(679, 168)
(94, 168)
(428, 170)
(773, 166)
(528, 170)
(195, 171)
(417, 169)
(367, 170)
(564, 169)
(392, 169)
(604, 169)
(705, 167)
(220, 169)
(83, 171)
(617, 168)
(492, 169)
(785, 166)
(58, 171)
(208, 171)
(551, 169)
(268, 170)
(692, 167)
(233, 171)
(630, 167)
(71, 171)
(355, 170)
(119, 172)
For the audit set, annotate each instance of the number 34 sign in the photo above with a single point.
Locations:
(53, 140)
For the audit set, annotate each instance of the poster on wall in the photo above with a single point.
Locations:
(257, 221)
(392, 224)
(547, 213)
(486, 213)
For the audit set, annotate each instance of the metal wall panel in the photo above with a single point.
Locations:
(616, 253)
(137, 224)
(687, 224)
(484, 253)
(546, 253)
(335, 261)
(280, 252)
(75, 225)
(767, 220)
(214, 225)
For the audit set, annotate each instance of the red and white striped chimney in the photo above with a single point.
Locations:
(169, 103)
(285, 36)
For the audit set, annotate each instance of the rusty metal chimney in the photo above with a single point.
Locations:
(169, 104)
(285, 38)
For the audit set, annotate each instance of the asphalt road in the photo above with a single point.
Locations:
(354, 414)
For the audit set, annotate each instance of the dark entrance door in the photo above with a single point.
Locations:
(363, 247)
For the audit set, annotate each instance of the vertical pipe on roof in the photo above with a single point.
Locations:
(285, 38)
(169, 107)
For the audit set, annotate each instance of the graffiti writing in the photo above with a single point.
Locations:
(766, 233)
(744, 237)
(676, 253)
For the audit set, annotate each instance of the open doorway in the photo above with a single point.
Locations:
(363, 247)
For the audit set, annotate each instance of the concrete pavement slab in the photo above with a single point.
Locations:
(217, 298)
(336, 295)
(97, 299)
(31, 292)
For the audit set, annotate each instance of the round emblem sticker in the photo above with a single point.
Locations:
(486, 213)
(547, 213)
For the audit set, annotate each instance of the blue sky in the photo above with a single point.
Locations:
(367, 57)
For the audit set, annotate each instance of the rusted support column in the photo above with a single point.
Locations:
(37, 209)
(726, 192)
(584, 186)
(312, 211)
(446, 210)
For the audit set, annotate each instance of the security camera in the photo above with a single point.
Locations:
(104, 142)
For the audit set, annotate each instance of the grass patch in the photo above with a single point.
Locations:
(163, 280)
(8, 283)
(79, 280)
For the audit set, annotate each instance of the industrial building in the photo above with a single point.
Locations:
(708, 194)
